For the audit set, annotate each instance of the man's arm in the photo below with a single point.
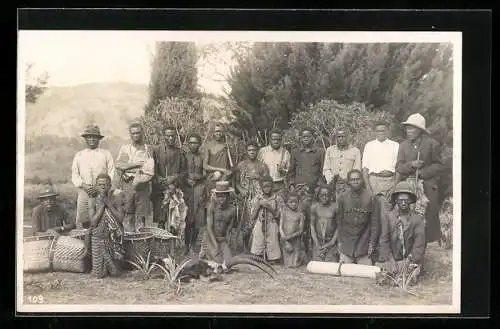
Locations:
(374, 223)
(357, 159)
(403, 167)
(116, 210)
(301, 228)
(76, 178)
(418, 250)
(327, 166)
(385, 253)
(35, 218)
(314, 219)
(210, 225)
(282, 227)
(231, 224)
(293, 168)
(110, 164)
(96, 214)
(437, 166)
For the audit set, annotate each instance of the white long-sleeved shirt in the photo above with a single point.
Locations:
(340, 161)
(88, 164)
(380, 156)
(272, 158)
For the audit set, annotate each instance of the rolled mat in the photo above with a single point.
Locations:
(355, 270)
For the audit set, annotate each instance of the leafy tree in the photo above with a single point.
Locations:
(173, 72)
(34, 86)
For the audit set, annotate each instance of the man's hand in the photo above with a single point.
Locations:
(417, 164)
(172, 230)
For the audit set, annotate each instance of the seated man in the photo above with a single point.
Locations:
(220, 219)
(403, 232)
(49, 216)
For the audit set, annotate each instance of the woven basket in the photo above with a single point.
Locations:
(36, 253)
(69, 254)
(137, 244)
(78, 233)
(163, 241)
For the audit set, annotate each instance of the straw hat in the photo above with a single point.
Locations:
(222, 187)
(47, 192)
(404, 187)
(92, 130)
(416, 120)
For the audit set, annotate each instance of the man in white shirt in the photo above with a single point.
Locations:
(277, 159)
(87, 165)
(135, 167)
(341, 158)
(379, 161)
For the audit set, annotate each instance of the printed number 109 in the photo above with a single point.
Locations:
(35, 299)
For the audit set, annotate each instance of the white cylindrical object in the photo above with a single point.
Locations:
(357, 270)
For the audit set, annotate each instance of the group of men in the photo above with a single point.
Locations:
(374, 218)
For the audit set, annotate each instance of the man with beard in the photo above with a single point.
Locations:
(169, 164)
(87, 165)
(132, 160)
(358, 223)
(194, 195)
(419, 163)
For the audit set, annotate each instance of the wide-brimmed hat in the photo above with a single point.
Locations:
(222, 187)
(404, 187)
(416, 120)
(46, 192)
(92, 130)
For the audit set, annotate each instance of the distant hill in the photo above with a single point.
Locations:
(64, 111)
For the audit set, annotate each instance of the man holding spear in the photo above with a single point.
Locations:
(419, 163)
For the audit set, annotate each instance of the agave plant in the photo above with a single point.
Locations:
(172, 272)
(403, 276)
(144, 265)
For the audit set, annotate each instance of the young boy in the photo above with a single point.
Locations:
(324, 226)
(220, 220)
(291, 228)
(265, 214)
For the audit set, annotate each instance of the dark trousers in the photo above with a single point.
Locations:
(433, 225)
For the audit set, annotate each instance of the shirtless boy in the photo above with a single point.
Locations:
(291, 228)
(324, 227)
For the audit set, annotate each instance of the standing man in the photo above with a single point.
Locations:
(87, 165)
(358, 222)
(135, 158)
(216, 158)
(305, 176)
(194, 194)
(169, 165)
(419, 162)
(379, 161)
(277, 159)
(341, 158)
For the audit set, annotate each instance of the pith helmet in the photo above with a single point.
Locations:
(404, 187)
(416, 120)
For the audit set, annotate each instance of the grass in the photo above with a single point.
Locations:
(247, 286)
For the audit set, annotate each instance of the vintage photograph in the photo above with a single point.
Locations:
(210, 171)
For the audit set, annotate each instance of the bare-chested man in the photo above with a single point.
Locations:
(324, 226)
(220, 219)
(291, 228)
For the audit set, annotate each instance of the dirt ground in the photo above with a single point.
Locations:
(246, 286)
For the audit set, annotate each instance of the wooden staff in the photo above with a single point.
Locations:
(178, 135)
(416, 176)
(228, 152)
(264, 229)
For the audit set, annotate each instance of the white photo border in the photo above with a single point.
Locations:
(454, 38)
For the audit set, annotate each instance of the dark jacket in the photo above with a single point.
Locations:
(306, 167)
(43, 220)
(413, 235)
(168, 162)
(358, 223)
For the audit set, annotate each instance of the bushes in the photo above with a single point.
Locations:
(326, 116)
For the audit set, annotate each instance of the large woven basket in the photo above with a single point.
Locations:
(69, 254)
(163, 241)
(137, 244)
(79, 233)
(36, 252)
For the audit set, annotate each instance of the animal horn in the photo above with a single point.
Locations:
(259, 260)
(249, 261)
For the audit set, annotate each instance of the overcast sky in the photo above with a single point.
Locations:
(75, 57)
